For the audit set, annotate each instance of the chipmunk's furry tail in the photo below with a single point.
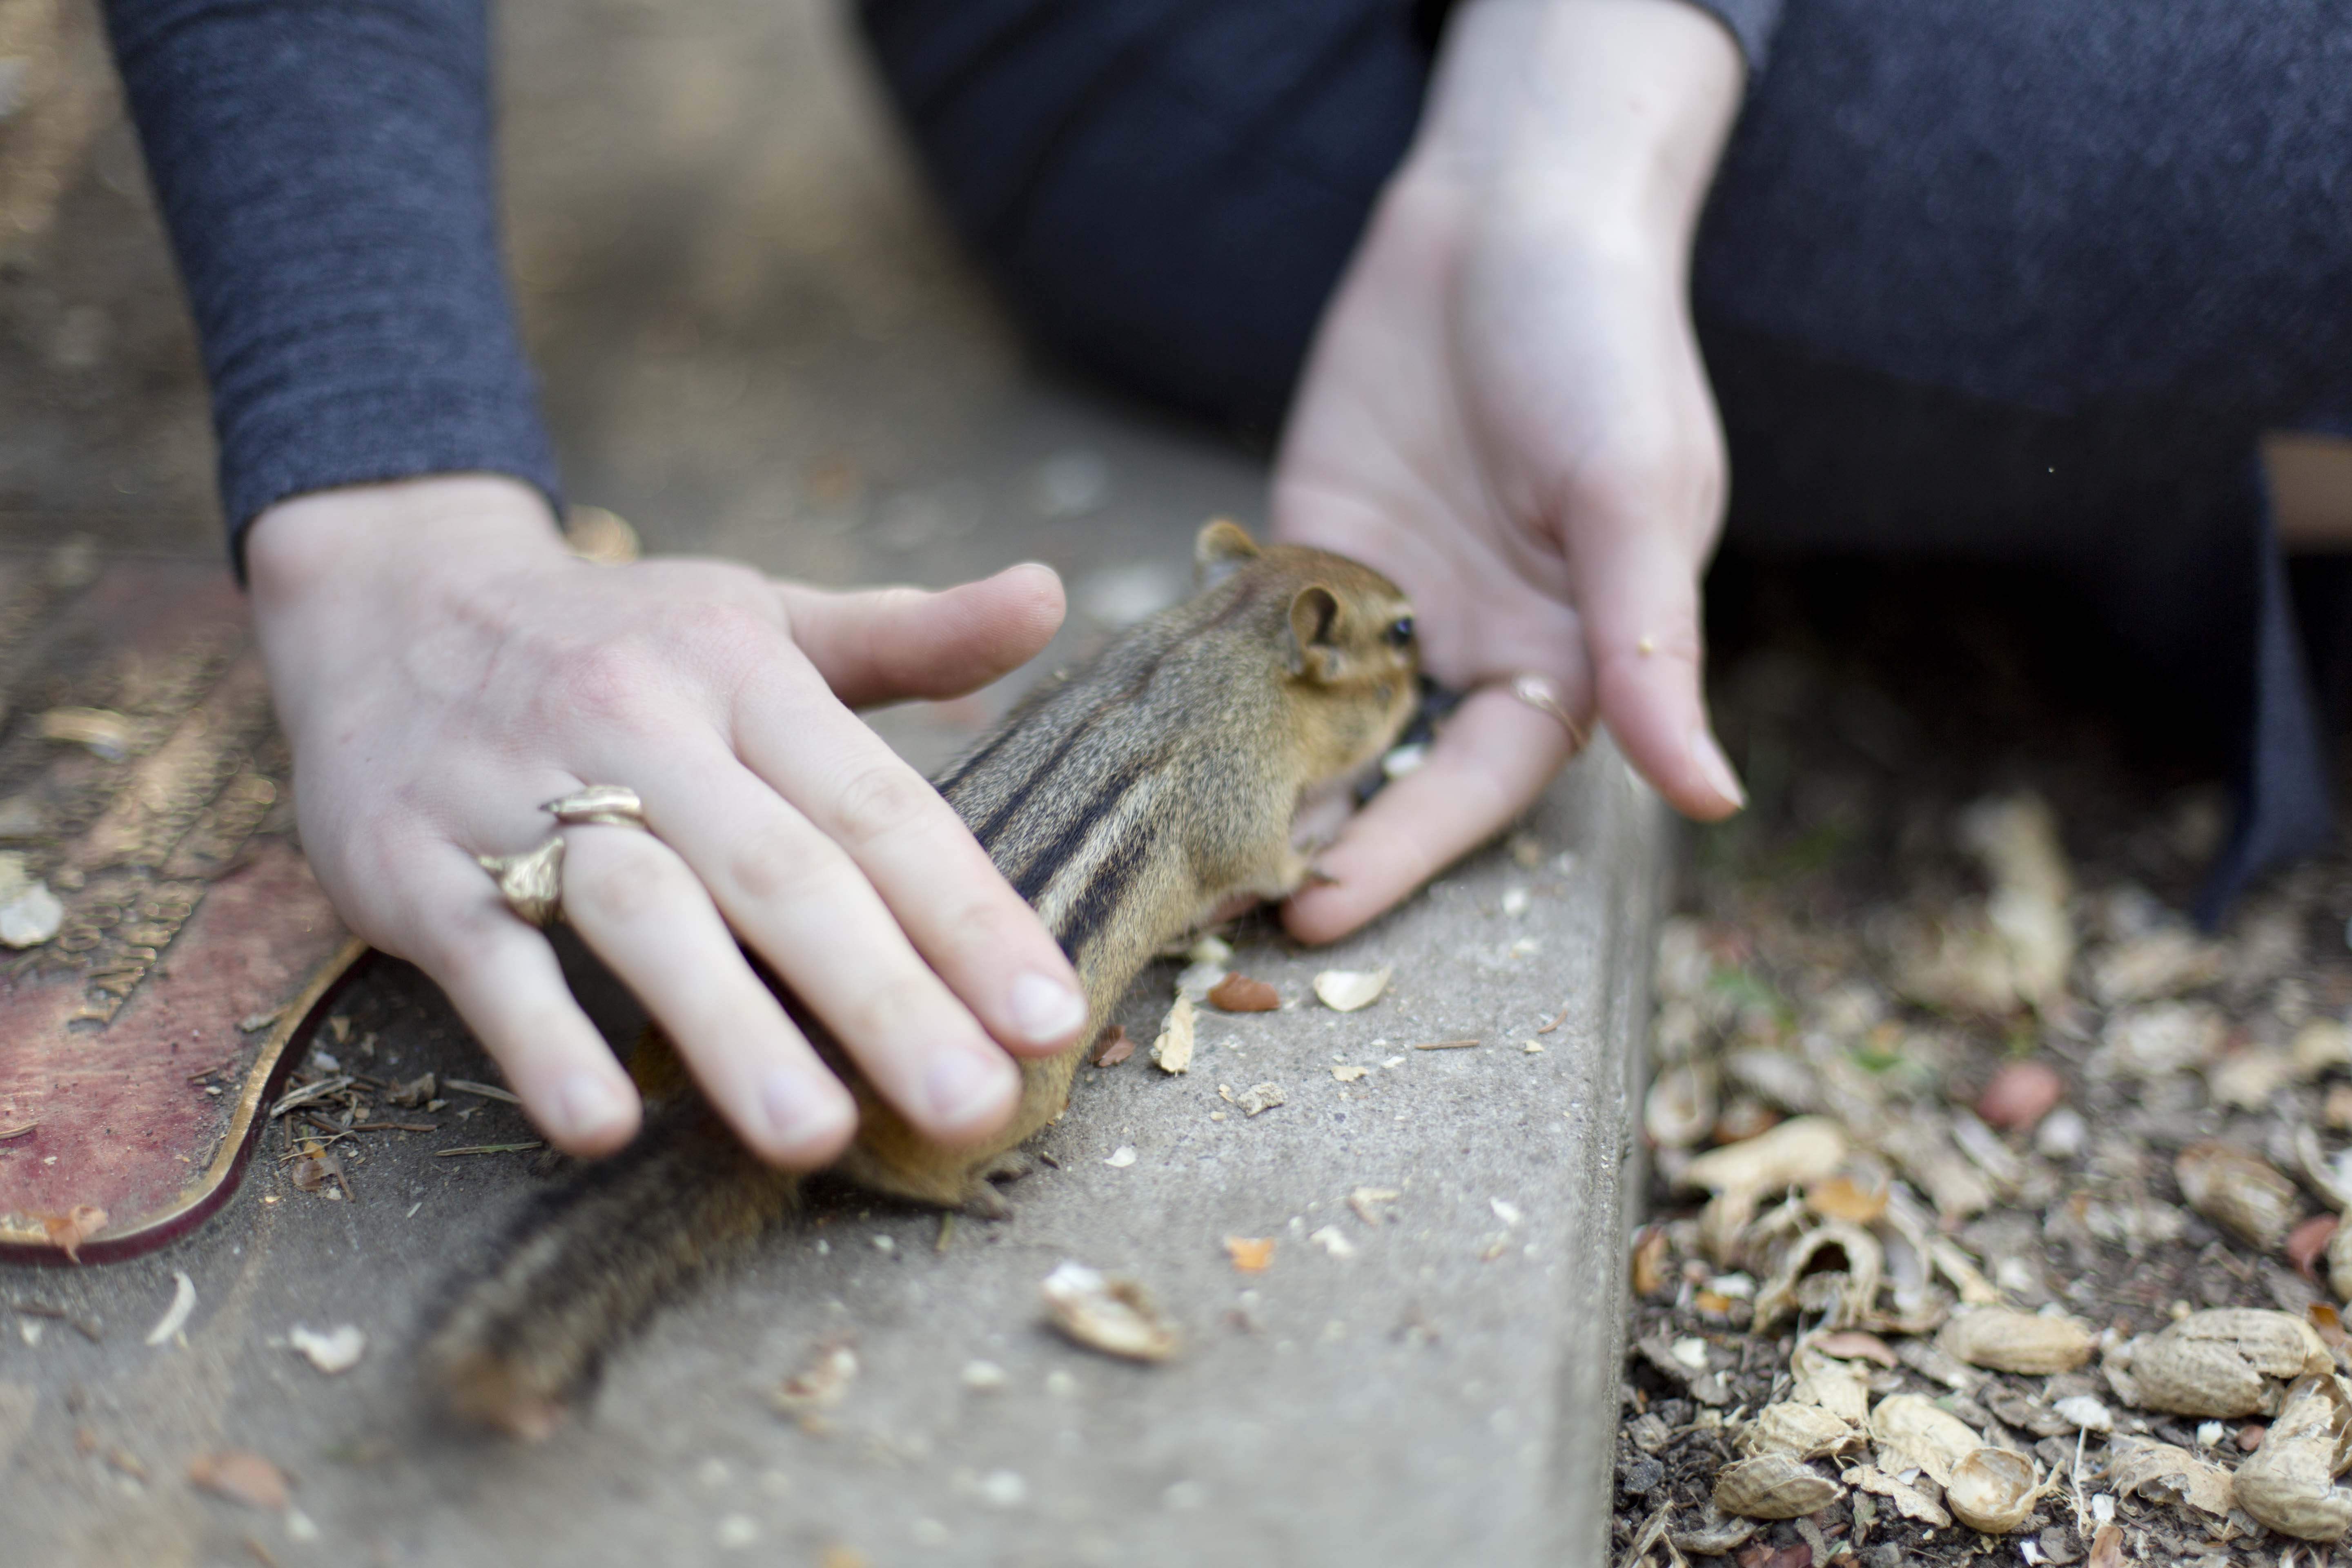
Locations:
(587, 1264)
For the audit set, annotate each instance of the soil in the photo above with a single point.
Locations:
(1868, 707)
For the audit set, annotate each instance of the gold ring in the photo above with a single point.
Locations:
(605, 805)
(1541, 692)
(532, 881)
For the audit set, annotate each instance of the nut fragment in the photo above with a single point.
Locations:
(2225, 1362)
(2239, 1192)
(1911, 1430)
(1993, 1490)
(1172, 1051)
(1349, 990)
(1241, 994)
(1112, 1315)
(1773, 1486)
(2288, 1483)
(2006, 1340)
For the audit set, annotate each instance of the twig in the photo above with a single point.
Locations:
(309, 1092)
(395, 1127)
(487, 1148)
(947, 1231)
(487, 1091)
(1446, 1045)
(1556, 1023)
(8, 1133)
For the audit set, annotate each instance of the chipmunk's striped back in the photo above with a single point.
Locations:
(1125, 803)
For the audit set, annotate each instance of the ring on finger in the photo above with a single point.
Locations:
(1541, 692)
(533, 882)
(605, 805)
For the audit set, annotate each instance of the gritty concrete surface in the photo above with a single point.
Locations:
(757, 341)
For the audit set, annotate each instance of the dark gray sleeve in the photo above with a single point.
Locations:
(325, 168)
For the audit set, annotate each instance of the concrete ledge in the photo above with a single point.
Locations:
(1444, 1392)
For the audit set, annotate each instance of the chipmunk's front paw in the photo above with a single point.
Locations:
(982, 1201)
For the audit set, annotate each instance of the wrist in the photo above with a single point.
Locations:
(1602, 119)
(303, 549)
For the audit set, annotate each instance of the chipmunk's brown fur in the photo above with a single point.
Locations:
(1126, 802)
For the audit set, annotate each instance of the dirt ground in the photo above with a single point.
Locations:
(1823, 963)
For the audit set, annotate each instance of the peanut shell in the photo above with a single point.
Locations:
(1800, 1431)
(1911, 1429)
(2239, 1192)
(1773, 1486)
(2288, 1483)
(1993, 1490)
(2230, 1361)
(2006, 1340)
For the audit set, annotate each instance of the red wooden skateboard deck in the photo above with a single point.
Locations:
(143, 783)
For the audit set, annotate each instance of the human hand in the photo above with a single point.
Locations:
(442, 666)
(1506, 411)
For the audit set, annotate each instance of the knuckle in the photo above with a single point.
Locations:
(632, 882)
(774, 861)
(612, 686)
(880, 800)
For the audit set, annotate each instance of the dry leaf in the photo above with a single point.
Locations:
(338, 1350)
(1351, 990)
(1106, 1313)
(1250, 1255)
(68, 1230)
(821, 1384)
(1172, 1051)
(1116, 1048)
(242, 1476)
(2308, 1241)
(1240, 994)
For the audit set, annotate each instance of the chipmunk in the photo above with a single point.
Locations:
(1126, 801)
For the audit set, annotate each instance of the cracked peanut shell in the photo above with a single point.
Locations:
(2006, 1340)
(1773, 1486)
(2231, 1360)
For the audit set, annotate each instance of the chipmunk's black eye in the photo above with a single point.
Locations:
(1400, 632)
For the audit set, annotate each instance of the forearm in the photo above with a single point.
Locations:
(326, 172)
(1610, 114)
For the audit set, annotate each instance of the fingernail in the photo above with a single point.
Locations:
(798, 1111)
(961, 1087)
(1716, 767)
(1046, 1010)
(589, 1106)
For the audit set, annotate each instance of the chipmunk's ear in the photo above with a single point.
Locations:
(1313, 633)
(1221, 550)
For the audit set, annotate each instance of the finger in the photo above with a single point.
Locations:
(885, 645)
(933, 880)
(1489, 762)
(637, 905)
(504, 981)
(801, 902)
(1638, 589)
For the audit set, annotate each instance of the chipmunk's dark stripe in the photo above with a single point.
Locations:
(1092, 908)
(962, 769)
(1040, 872)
